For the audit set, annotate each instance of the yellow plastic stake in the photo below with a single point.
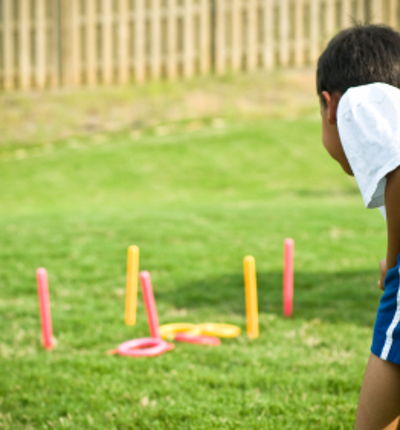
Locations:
(132, 285)
(250, 283)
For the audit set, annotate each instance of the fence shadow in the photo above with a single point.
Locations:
(332, 297)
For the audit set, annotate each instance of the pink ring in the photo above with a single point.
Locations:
(144, 347)
(201, 340)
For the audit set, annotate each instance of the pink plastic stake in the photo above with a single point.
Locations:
(44, 302)
(288, 278)
(150, 304)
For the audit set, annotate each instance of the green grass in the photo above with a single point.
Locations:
(195, 203)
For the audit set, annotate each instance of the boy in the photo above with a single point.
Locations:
(358, 81)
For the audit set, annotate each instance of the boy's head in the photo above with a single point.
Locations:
(360, 55)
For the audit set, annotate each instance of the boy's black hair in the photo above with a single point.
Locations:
(359, 55)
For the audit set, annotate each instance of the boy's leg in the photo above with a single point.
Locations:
(379, 404)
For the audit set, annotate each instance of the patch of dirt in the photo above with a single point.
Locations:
(44, 117)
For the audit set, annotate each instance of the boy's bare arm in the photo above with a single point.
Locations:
(392, 202)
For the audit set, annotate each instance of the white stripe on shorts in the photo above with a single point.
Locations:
(390, 330)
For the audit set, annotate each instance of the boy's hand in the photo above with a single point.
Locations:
(383, 272)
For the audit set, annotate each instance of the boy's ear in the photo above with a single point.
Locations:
(332, 101)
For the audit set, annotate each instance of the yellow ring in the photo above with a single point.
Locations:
(219, 330)
(168, 331)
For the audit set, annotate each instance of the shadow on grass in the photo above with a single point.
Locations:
(333, 297)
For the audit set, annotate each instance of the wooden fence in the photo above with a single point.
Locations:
(50, 43)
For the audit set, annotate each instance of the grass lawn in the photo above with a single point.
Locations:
(196, 199)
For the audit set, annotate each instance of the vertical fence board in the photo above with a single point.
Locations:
(393, 10)
(360, 15)
(346, 13)
(251, 48)
(299, 33)
(314, 30)
(55, 44)
(75, 42)
(220, 40)
(91, 45)
(24, 70)
(8, 46)
(66, 39)
(40, 23)
(188, 65)
(123, 42)
(172, 41)
(330, 19)
(284, 32)
(376, 11)
(106, 40)
(268, 23)
(155, 63)
(139, 41)
(205, 31)
(236, 36)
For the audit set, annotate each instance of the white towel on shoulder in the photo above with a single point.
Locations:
(368, 119)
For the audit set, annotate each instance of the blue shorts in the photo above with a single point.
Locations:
(386, 340)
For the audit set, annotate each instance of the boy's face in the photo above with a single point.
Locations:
(330, 134)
